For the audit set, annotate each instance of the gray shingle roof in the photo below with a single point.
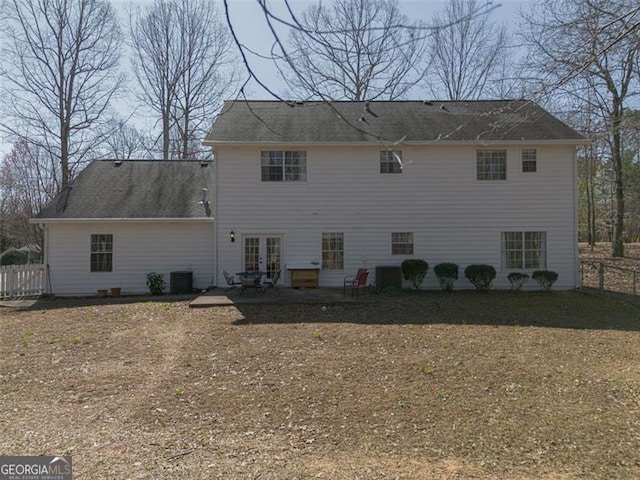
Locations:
(134, 189)
(243, 121)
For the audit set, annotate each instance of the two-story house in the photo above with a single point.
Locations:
(332, 187)
(346, 185)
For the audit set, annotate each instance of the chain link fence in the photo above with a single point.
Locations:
(609, 278)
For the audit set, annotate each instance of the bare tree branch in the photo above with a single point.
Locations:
(183, 63)
(60, 75)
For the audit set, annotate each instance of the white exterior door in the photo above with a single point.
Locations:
(262, 253)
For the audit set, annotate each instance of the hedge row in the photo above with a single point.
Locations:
(481, 276)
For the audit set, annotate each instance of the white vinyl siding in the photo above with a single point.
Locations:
(453, 217)
(138, 248)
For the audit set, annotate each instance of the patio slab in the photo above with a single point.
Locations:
(218, 297)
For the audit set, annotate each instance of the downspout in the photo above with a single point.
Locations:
(576, 256)
(216, 217)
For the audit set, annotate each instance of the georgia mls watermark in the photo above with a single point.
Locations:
(35, 468)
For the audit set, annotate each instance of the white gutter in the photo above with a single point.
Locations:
(114, 219)
(530, 141)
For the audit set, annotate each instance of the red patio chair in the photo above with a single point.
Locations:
(355, 282)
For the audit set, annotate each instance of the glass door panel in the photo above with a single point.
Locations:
(251, 254)
(263, 253)
(273, 248)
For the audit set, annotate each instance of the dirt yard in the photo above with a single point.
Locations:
(411, 386)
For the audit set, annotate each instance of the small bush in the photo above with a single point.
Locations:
(545, 278)
(155, 282)
(414, 270)
(480, 276)
(447, 274)
(517, 280)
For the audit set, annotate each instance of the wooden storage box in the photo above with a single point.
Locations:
(304, 278)
(304, 273)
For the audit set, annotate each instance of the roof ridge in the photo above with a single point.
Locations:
(433, 100)
(149, 160)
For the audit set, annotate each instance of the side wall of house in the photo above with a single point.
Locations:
(138, 248)
(453, 216)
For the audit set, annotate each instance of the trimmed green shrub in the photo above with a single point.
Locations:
(447, 274)
(414, 270)
(155, 282)
(545, 278)
(517, 279)
(480, 275)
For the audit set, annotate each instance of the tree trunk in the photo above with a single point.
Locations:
(617, 242)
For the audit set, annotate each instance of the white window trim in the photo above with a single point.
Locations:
(522, 160)
(284, 167)
(397, 153)
(322, 250)
(506, 165)
(503, 263)
(406, 243)
(113, 253)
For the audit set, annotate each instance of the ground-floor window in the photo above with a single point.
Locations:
(402, 243)
(524, 250)
(333, 251)
(102, 252)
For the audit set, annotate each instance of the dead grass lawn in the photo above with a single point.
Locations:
(465, 386)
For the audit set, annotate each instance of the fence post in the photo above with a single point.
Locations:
(601, 277)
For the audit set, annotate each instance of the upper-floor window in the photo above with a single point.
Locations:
(101, 252)
(529, 160)
(283, 166)
(524, 250)
(402, 243)
(491, 165)
(390, 161)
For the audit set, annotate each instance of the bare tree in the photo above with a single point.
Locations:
(354, 50)
(589, 49)
(182, 58)
(27, 182)
(470, 55)
(59, 69)
(126, 142)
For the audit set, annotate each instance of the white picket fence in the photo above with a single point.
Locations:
(22, 280)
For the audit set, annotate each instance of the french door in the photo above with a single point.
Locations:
(262, 253)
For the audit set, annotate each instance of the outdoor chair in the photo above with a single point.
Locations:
(355, 282)
(272, 282)
(231, 280)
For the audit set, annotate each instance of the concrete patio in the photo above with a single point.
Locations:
(219, 297)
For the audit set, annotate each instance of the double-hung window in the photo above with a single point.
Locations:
(283, 165)
(390, 161)
(402, 243)
(529, 160)
(491, 165)
(333, 251)
(101, 252)
(524, 250)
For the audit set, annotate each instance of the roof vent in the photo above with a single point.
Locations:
(427, 102)
(204, 163)
(117, 163)
(442, 107)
